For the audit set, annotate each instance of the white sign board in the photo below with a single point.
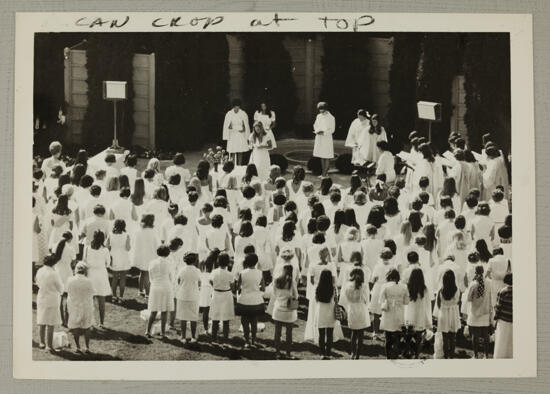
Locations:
(114, 90)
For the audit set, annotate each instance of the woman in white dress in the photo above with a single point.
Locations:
(119, 243)
(497, 269)
(323, 128)
(264, 249)
(80, 305)
(47, 301)
(266, 116)
(418, 312)
(217, 237)
(222, 309)
(344, 252)
(357, 138)
(65, 255)
(378, 279)
(122, 208)
(482, 226)
(448, 318)
(285, 305)
(393, 298)
(376, 133)
(355, 299)
(188, 296)
(161, 296)
(495, 174)
(294, 185)
(245, 238)
(260, 143)
(144, 250)
(386, 162)
(158, 207)
(325, 294)
(236, 130)
(61, 220)
(130, 170)
(430, 167)
(480, 308)
(97, 257)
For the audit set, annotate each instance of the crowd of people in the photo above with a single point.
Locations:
(404, 255)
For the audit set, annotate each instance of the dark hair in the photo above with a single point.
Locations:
(479, 278)
(250, 260)
(217, 221)
(450, 214)
(312, 200)
(249, 249)
(245, 214)
(483, 209)
(483, 250)
(460, 222)
(375, 129)
(412, 257)
(289, 229)
(149, 173)
(148, 220)
(497, 251)
(119, 226)
(50, 260)
(383, 145)
(371, 229)
(62, 206)
(356, 256)
(223, 259)
(79, 170)
(174, 179)
(318, 238)
(508, 279)
(124, 192)
(298, 174)
(326, 184)
(99, 210)
(449, 288)
(139, 192)
(261, 221)
(291, 216)
(207, 207)
(497, 195)
(131, 160)
(180, 219)
(471, 201)
(228, 166)
(97, 240)
(390, 244)
(335, 197)
(190, 258)
(429, 233)
(279, 199)
(323, 223)
(175, 244)
(86, 181)
(351, 219)
(376, 216)
(391, 208)
(163, 251)
(393, 275)
(246, 229)
(220, 202)
(473, 257)
(123, 181)
(251, 171)
(424, 198)
(505, 232)
(248, 192)
(427, 152)
(339, 220)
(318, 210)
(236, 102)
(416, 285)
(354, 183)
(65, 237)
(416, 221)
(325, 288)
(284, 281)
(449, 187)
(424, 182)
(95, 190)
(179, 159)
(290, 206)
(192, 196)
(446, 201)
(358, 276)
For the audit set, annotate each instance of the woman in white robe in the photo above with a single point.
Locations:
(430, 167)
(236, 131)
(323, 128)
(260, 142)
(495, 174)
(375, 133)
(266, 116)
(357, 137)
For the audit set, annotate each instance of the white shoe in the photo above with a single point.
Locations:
(183, 341)
(192, 340)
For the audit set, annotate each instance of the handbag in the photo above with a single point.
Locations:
(339, 311)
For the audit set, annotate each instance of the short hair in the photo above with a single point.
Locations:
(460, 143)
(207, 207)
(174, 179)
(460, 222)
(383, 145)
(323, 223)
(423, 182)
(318, 238)
(471, 201)
(505, 232)
(446, 201)
(417, 204)
(412, 257)
(307, 187)
(236, 102)
(192, 196)
(322, 105)
(175, 244)
(181, 219)
(371, 229)
(508, 279)
(250, 260)
(163, 251)
(148, 220)
(55, 148)
(149, 173)
(279, 199)
(190, 258)
(390, 206)
(261, 221)
(473, 257)
(249, 249)
(497, 195)
(99, 210)
(290, 206)
(335, 197)
(246, 229)
(119, 226)
(245, 214)
(179, 159)
(125, 192)
(217, 221)
(483, 209)
(498, 251)
(223, 259)
(280, 182)
(248, 192)
(131, 160)
(50, 260)
(386, 253)
(450, 214)
(220, 202)
(228, 166)
(110, 158)
(95, 190)
(424, 197)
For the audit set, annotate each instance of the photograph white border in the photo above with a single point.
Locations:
(524, 363)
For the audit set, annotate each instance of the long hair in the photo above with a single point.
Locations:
(98, 240)
(139, 192)
(326, 184)
(255, 136)
(449, 187)
(376, 216)
(416, 221)
(483, 250)
(284, 281)
(203, 169)
(427, 153)
(354, 184)
(375, 129)
(62, 206)
(478, 277)
(351, 219)
(406, 231)
(357, 275)
(79, 170)
(298, 174)
(289, 229)
(339, 220)
(416, 285)
(251, 171)
(429, 232)
(325, 287)
(449, 288)
(66, 237)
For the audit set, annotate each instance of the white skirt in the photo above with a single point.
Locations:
(504, 340)
(161, 298)
(222, 307)
(187, 310)
(237, 142)
(260, 158)
(100, 281)
(324, 146)
(50, 316)
(358, 316)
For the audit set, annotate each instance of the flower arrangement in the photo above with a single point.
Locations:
(216, 156)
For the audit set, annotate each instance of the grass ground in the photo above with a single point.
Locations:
(124, 339)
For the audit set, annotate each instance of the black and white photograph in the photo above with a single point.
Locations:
(343, 193)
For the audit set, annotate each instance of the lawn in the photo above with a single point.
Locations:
(124, 339)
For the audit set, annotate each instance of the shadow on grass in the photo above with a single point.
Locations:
(107, 334)
(71, 355)
(133, 304)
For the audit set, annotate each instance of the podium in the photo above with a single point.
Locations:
(431, 112)
(114, 91)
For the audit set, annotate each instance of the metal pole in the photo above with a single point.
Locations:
(115, 142)
(430, 131)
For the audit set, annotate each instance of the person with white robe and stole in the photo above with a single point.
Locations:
(356, 138)
(495, 174)
(323, 128)
(236, 131)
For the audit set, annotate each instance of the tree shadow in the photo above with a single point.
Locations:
(71, 355)
(132, 304)
(108, 334)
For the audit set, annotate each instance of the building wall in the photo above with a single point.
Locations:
(306, 53)
(76, 95)
(459, 107)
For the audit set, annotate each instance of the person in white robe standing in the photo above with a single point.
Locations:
(236, 131)
(266, 116)
(357, 137)
(495, 174)
(375, 133)
(323, 128)
(260, 142)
